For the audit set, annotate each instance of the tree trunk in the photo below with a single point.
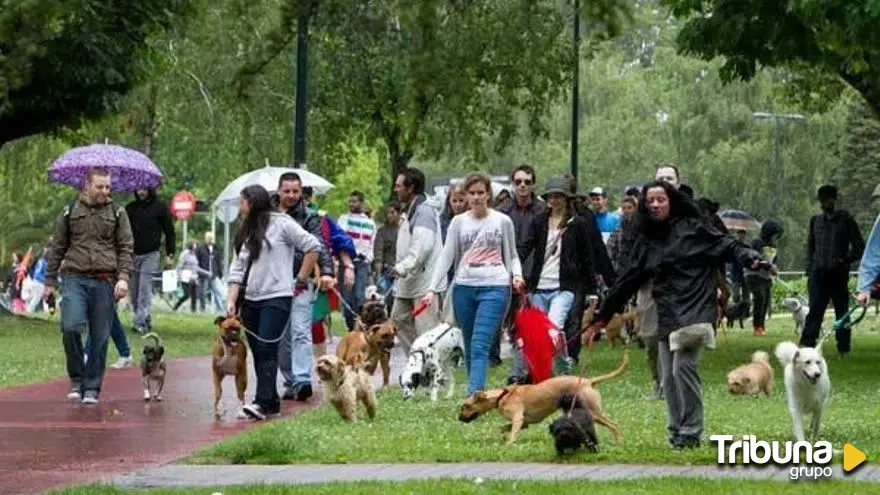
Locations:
(399, 162)
(146, 131)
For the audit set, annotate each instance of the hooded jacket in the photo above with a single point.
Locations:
(765, 244)
(149, 219)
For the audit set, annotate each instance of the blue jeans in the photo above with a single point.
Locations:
(118, 336)
(266, 319)
(556, 303)
(295, 350)
(208, 291)
(87, 304)
(354, 296)
(479, 312)
(145, 266)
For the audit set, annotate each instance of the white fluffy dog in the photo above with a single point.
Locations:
(432, 361)
(807, 385)
(799, 311)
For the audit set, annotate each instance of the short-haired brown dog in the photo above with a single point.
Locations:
(369, 348)
(229, 357)
(752, 378)
(523, 405)
(612, 328)
(345, 385)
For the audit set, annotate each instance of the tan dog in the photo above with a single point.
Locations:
(370, 347)
(752, 378)
(612, 328)
(345, 385)
(229, 357)
(523, 405)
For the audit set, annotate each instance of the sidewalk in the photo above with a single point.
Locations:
(182, 476)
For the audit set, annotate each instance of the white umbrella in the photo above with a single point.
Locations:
(268, 178)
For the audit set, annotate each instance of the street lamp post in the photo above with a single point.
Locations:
(575, 90)
(780, 180)
(302, 81)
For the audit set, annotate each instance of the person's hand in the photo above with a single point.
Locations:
(230, 308)
(121, 289)
(348, 277)
(326, 282)
(519, 284)
(169, 261)
(863, 298)
(427, 299)
(47, 292)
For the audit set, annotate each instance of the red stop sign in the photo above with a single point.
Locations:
(183, 205)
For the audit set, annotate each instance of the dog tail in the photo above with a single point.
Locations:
(155, 337)
(761, 357)
(567, 402)
(785, 352)
(614, 374)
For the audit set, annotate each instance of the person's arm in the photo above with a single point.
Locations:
(588, 273)
(57, 249)
(304, 242)
(124, 248)
(811, 246)
(869, 268)
(447, 257)
(425, 230)
(378, 249)
(312, 224)
(857, 242)
(508, 244)
(627, 284)
(170, 236)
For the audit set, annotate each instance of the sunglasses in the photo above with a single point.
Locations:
(520, 182)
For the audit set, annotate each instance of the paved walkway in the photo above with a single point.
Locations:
(180, 475)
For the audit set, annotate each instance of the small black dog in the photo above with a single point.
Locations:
(153, 367)
(736, 312)
(575, 427)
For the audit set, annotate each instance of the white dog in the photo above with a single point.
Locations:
(799, 311)
(371, 293)
(432, 361)
(807, 385)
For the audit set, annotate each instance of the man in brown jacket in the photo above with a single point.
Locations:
(92, 253)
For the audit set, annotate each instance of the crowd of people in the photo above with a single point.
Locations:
(472, 264)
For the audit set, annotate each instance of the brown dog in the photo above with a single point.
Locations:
(612, 328)
(371, 346)
(752, 378)
(229, 357)
(345, 385)
(523, 405)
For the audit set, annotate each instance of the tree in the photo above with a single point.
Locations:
(430, 75)
(66, 60)
(859, 171)
(836, 39)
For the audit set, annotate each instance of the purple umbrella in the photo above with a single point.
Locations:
(130, 170)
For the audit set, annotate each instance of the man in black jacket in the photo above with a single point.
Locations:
(209, 260)
(834, 243)
(150, 219)
(295, 351)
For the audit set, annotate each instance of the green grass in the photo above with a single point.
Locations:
(30, 348)
(465, 486)
(421, 431)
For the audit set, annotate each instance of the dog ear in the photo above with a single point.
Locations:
(374, 329)
(219, 320)
(794, 357)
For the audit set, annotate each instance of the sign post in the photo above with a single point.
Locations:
(183, 205)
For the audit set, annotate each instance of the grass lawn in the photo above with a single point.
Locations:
(421, 431)
(30, 348)
(458, 486)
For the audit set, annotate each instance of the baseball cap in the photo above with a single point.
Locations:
(597, 191)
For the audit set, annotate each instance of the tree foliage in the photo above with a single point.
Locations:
(838, 38)
(859, 171)
(62, 61)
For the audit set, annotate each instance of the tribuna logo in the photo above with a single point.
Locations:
(754, 451)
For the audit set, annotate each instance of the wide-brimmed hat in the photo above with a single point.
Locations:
(556, 185)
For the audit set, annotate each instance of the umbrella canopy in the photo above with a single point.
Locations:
(738, 220)
(129, 169)
(268, 178)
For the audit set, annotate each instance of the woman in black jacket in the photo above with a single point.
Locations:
(678, 251)
(563, 261)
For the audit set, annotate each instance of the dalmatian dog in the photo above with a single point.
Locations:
(799, 310)
(432, 361)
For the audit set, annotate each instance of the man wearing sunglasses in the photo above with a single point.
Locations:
(522, 210)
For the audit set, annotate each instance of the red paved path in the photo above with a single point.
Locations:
(48, 441)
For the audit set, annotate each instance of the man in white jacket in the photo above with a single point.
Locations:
(418, 249)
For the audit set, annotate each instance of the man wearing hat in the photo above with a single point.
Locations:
(607, 221)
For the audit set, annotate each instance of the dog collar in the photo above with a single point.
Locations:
(503, 394)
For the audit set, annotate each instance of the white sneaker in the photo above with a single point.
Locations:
(123, 362)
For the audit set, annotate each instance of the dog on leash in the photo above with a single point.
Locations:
(575, 428)
(736, 312)
(370, 341)
(345, 385)
(432, 361)
(153, 367)
(614, 327)
(752, 378)
(807, 385)
(523, 405)
(229, 357)
(799, 311)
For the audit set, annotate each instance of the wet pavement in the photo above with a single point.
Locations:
(48, 441)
